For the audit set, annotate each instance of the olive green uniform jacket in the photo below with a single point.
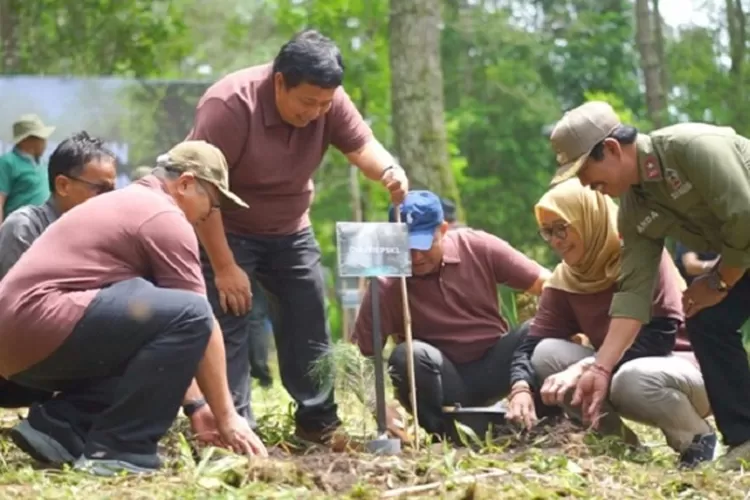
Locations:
(695, 188)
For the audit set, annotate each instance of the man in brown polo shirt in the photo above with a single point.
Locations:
(274, 123)
(116, 321)
(463, 346)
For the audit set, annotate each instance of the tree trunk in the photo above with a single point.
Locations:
(650, 64)
(659, 45)
(8, 46)
(737, 31)
(417, 95)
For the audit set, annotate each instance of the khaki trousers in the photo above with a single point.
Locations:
(663, 391)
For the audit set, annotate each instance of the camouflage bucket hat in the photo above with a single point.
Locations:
(30, 126)
(207, 163)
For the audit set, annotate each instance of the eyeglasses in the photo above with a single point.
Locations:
(559, 231)
(215, 203)
(97, 188)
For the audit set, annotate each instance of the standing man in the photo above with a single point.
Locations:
(274, 123)
(689, 181)
(23, 177)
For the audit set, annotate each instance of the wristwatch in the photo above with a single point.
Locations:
(191, 407)
(716, 282)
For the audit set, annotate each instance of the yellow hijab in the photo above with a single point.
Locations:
(594, 217)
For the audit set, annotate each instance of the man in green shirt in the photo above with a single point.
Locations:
(23, 177)
(691, 182)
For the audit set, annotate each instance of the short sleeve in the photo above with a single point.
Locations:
(509, 266)
(6, 177)
(217, 123)
(349, 131)
(171, 247)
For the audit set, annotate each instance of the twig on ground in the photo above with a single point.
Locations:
(421, 488)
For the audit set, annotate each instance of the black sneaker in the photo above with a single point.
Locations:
(106, 464)
(47, 439)
(700, 450)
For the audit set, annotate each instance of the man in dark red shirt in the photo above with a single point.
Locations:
(274, 123)
(108, 308)
(463, 346)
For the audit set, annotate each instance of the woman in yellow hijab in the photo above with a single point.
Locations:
(651, 384)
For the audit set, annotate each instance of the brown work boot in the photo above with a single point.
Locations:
(736, 458)
(333, 438)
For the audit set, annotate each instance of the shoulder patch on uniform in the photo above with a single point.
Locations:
(678, 187)
(651, 168)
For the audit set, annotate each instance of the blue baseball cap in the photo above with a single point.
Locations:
(422, 212)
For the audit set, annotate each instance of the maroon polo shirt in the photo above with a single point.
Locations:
(562, 314)
(271, 162)
(455, 309)
(135, 232)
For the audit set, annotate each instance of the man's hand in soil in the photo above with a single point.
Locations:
(591, 391)
(233, 285)
(203, 425)
(237, 435)
(556, 386)
(521, 409)
(396, 182)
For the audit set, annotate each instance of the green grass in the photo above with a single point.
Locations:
(558, 462)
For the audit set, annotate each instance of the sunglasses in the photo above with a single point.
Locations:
(95, 187)
(559, 231)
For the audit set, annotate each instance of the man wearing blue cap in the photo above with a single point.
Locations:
(463, 346)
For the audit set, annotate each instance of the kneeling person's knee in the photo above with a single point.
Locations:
(546, 358)
(633, 385)
(397, 361)
(195, 313)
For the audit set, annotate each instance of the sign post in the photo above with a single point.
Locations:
(372, 250)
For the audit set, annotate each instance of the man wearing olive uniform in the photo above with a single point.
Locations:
(691, 182)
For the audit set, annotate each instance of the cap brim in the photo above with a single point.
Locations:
(230, 201)
(45, 133)
(569, 170)
(421, 240)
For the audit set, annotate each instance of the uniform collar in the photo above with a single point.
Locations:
(649, 166)
(267, 97)
(450, 249)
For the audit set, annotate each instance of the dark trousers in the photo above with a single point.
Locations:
(13, 395)
(259, 335)
(440, 382)
(124, 370)
(290, 272)
(717, 344)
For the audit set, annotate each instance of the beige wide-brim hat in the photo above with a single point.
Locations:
(30, 126)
